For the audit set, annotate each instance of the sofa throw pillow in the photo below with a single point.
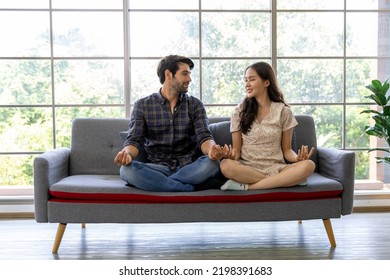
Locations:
(294, 141)
(123, 135)
(221, 132)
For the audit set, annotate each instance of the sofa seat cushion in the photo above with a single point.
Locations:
(112, 189)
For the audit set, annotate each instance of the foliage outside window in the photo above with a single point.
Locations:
(64, 59)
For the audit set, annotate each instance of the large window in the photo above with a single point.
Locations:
(63, 59)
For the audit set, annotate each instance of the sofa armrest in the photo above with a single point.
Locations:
(340, 166)
(49, 168)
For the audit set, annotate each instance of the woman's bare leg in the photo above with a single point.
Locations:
(289, 176)
(234, 170)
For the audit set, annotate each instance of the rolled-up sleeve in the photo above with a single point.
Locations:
(201, 123)
(136, 133)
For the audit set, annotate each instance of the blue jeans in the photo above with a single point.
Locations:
(160, 178)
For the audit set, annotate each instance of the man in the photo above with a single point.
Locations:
(172, 127)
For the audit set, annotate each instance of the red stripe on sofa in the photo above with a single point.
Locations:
(142, 198)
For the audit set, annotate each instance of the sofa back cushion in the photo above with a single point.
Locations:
(94, 145)
(305, 134)
(95, 142)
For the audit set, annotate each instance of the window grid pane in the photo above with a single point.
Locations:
(19, 39)
(148, 41)
(322, 65)
(310, 34)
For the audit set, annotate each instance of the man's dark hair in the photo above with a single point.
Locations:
(171, 62)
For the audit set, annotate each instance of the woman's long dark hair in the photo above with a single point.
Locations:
(250, 106)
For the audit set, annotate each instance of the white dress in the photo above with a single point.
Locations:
(262, 146)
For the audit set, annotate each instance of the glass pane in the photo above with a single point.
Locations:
(328, 120)
(65, 115)
(362, 165)
(24, 4)
(360, 72)
(227, 34)
(355, 127)
(166, 4)
(89, 81)
(16, 170)
(147, 40)
(21, 38)
(310, 80)
(144, 79)
(362, 35)
(236, 4)
(219, 111)
(88, 33)
(26, 129)
(25, 82)
(363, 4)
(87, 4)
(223, 81)
(310, 4)
(310, 34)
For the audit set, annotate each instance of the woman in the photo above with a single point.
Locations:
(262, 127)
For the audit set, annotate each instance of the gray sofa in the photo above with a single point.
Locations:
(82, 185)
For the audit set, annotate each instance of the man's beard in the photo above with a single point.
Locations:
(183, 88)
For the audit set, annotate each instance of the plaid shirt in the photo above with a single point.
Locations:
(169, 139)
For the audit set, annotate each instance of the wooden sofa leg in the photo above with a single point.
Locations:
(82, 225)
(60, 233)
(329, 232)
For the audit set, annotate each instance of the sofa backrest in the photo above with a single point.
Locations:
(96, 141)
(218, 127)
(305, 134)
(94, 144)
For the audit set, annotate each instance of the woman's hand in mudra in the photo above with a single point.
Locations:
(304, 153)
